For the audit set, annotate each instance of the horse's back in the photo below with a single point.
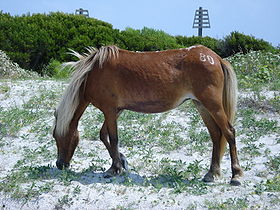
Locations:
(150, 81)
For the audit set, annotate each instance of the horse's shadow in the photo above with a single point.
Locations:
(88, 176)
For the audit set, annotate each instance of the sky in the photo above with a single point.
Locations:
(260, 18)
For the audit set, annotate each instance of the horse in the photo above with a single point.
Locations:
(114, 79)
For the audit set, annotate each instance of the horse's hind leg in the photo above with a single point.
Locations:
(218, 143)
(229, 133)
(217, 112)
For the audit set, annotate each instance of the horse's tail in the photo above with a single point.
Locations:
(70, 100)
(229, 96)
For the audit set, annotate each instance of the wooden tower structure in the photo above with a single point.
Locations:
(83, 12)
(201, 20)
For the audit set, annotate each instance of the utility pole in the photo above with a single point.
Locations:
(201, 20)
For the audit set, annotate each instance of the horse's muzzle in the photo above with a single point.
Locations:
(62, 165)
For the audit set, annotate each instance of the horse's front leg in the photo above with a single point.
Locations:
(118, 159)
(104, 138)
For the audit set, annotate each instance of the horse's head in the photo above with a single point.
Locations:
(66, 145)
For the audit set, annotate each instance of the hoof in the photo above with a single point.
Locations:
(112, 172)
(61, 165)
(117, 167)
(108, 175)
(208, 178)
(235, 182)
(124, 162)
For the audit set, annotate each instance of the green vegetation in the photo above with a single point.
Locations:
(231, 203)
(212, 43)
(146, 39)
(56, 70)
(238, 42)
(257, 69)
(32, 41)
(40, 41)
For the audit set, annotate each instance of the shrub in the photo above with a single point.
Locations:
(237, 42)
(256, 68)
(56, 70)
(32, 41)
(195, 40)
(146, 39)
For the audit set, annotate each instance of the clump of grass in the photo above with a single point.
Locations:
(260, 103)
(14, 119)
(231, 203)
(56, 70)
(270, 185)
(65, 200)
(4, 89)
(22, 183)
(275, 102)
(180, 177)
(254, 126)
(257, 69)
(274, 164)
(253, 129)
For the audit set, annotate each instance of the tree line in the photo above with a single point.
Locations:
(34, 40)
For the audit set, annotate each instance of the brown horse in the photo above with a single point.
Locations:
(113, 80)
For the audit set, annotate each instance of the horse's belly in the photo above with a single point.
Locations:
(149, 106)
(157, 106)
(183, 98)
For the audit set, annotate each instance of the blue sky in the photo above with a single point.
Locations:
(252, 17)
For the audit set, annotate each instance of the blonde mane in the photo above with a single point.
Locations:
(70, 100)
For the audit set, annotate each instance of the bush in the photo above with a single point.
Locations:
(234, 43)
(32, 41)
(195, 40)
(237, 42)
(56, 70)
(146, 39)
(257, 68)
